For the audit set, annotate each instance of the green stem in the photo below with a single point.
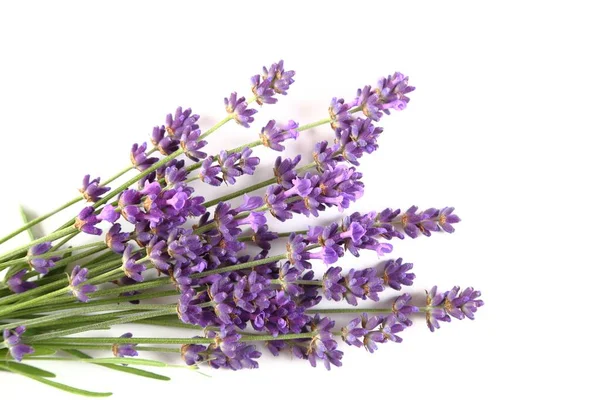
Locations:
(84, 309)
(53, 253)
(108, 348)
(44, 289)
(240, 192)
(48, 238)
(348, 310)
(250, 238)
(217, 126)
(37, 220)
(102, 325)
(169, 341)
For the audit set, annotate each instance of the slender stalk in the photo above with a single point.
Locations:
(37, 220)
(170, 341)
(48, 238)
(84, 309)
(44, 289)
(355, 310)
(108, 347)
(23, 260)
(102, 325)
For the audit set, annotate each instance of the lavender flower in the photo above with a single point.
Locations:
(130, 267)
(165, 144)
(87, 220)
(92, 190)
(442, 306)
(109, 214)
(209, 173)
(41, 264)
(271, 135)
(12, 340)
(284, 171)
(183, 122)
(115, 239)
(76, 284)
(339, 113)
(139, 159)
(323, 346)
(273, 80)
(191, 145)
(396, 274)
(124, 350)
(18, 283)
(238, 108)
(402, 308)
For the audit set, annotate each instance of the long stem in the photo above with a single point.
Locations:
(41, 218)
(84, 309)
(348, 310)
(37, 220)
(48, 238)
(172, 341)
(43, 289)
(102, 325)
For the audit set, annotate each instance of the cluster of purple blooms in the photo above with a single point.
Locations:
(269, 298)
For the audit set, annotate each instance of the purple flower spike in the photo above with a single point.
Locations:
(353, 332)
(12, 340)
(115, 239)
(248, 164)
(139, 159)
(92, 190)
(332, 284)
(193, 353)
(191, 145)
(132, 270)
(17, 283)
(284, 171)
(280, 80)
(323, 345)
(41, 264)
(271, 136)
(109, 214)
(208, 172)
(87, 220)
(339, 114)
(442, 306)
(464, 304)
(446, 218)
(125, 350)
(274, 80)
(76, 284)
(402, 307)
(238, 107)
(180, 123)
(396, 275)
(165, 144)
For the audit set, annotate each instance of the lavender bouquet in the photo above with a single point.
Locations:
(172, 258)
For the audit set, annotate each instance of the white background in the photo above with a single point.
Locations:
(503, 126)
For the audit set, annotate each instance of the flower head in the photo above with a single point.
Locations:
(92, 189)
(238, 108)
(125, 350)
(76, 284)
(12, 340)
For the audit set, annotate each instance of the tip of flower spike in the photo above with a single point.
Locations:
(453, 304)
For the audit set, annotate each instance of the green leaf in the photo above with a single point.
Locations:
(30, 369)
(41, 351)
(61, 386)
(25, 219)
(122, 368)
(129, 361)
